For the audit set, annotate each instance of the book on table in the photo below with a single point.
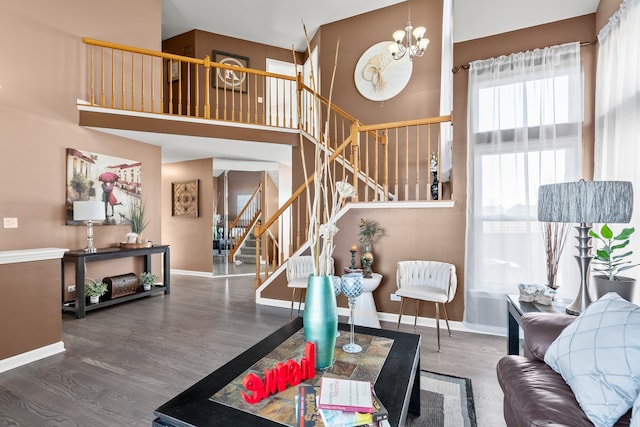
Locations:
(345, 395)
(308, 414)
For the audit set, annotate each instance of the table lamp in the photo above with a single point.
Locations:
(585, 202)
(89, 211)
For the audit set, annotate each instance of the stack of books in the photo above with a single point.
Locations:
(339, 403)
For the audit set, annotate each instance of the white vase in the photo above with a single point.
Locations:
(146, 287)
(93, 299)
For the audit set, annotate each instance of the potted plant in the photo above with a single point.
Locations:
(608, 261)
(94, 290)
(136, 219)
(147, 280)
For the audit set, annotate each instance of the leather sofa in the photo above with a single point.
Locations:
(534, 394)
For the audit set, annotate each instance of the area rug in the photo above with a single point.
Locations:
(446, 401)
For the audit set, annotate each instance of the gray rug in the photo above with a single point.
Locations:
(446, 401)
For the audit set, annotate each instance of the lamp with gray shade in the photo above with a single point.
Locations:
(89, 210)
(585, 202)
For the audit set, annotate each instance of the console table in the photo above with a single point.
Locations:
(80, 258)
(397, 386)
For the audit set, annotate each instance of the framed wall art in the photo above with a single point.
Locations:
(113, 180)
(184, 198)
(230, 79)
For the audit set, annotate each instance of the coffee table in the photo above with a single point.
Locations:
(397, 386)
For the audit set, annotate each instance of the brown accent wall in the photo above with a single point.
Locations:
(44, 75)
(29, 306)
(198, 44)
(419, 99)
(190, 238)
(39, 118)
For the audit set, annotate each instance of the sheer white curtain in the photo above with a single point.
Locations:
(617, 142)
(524, 129)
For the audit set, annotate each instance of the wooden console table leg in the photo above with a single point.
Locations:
(166, 272)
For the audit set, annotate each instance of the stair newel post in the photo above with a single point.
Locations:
(257, 232)
(355, 158)
(300, 82)
(207, 78)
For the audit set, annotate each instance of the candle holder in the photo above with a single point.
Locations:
(353, 259)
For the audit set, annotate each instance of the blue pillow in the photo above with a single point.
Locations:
(598, 355)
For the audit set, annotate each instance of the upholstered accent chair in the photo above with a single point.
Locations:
(299, 268)
(432, 281)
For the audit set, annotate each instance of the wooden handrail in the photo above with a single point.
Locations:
(405, 123)
(180, 58)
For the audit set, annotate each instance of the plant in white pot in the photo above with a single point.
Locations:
(137, 221)
(147, 280)
(608, 261)
(94, 290)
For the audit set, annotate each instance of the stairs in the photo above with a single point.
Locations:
(247, 252)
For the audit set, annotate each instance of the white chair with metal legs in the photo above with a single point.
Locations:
(426, 281)
(299, 268)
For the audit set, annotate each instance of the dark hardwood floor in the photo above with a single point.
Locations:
(124, 361)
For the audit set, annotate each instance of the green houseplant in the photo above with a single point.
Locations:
(147, 280)
(94, 290)
(136, 218)
(610, 262)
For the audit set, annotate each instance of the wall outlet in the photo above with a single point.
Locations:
(71, 288)
(395, 297)
(10, 222)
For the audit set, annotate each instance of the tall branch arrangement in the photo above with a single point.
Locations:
(554, 236)
(328, 197)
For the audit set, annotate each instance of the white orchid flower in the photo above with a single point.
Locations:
(345, 189)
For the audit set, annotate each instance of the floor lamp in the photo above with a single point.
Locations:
(89, 210)
(585, 203)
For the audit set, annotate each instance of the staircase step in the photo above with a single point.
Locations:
(246, 259)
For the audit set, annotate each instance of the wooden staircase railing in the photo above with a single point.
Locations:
(385, 162)
(133, 79)
(246, 220)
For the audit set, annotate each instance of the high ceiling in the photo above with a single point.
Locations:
(278, 23)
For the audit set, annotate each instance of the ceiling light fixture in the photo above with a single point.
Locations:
(404, 41)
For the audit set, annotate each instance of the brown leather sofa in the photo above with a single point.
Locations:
(534, 394)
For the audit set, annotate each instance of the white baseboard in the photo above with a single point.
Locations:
(427, 322)
(31, 356)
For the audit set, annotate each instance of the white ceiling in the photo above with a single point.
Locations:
(278, 23)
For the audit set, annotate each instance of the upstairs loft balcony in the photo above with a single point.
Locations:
(132, 91)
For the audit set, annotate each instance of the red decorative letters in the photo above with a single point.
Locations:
(276, 379)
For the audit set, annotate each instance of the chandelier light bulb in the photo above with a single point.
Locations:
(418, 32)
(398, 36)
(414, 43)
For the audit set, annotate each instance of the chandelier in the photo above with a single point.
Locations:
(404, 41)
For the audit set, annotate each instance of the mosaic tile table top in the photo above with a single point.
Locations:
(280, 408)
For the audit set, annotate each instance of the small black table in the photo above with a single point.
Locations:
(397, 386)
(517, 308)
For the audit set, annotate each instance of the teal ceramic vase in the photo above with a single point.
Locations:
(320, 319)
